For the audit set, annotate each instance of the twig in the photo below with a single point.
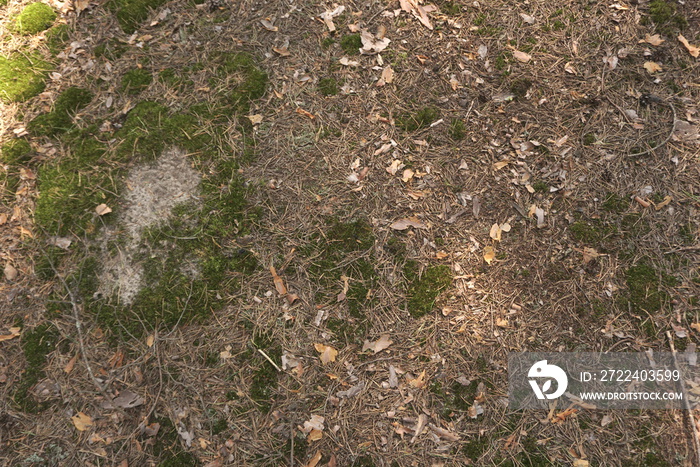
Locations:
(688, 413)
(668, 138)
(269, 359)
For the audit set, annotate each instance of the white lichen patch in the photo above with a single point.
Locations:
(151, 192)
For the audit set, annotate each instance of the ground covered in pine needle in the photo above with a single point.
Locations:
(310, 234)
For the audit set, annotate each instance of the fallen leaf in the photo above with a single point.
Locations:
(407, 175)
(150, 340)
(420, 425)
(653, 40)
(255, 119)
(403, 224)
(14, 332)
(395, 166)
(607, 419)
(377, 346)
(569, 68)
(483, 51)
(347, 62)
(680, 331)
(522, 56)
(692, 50)
(371, 44)
(580, 463)
(70, 365)
(387, 75)
(412, 6)
(495, 232)
(187, 436)
(102, 209)
(418, 382)
(80, 5)
(314, 435)
(499, 165)
(268, 25)
(611, 61)
(81, 421)
(282, 51)
(489, 254)
(562, 416)
(314, 460)
(667, 200)
(327, 17)
(352, 392)
(696, 326)
(10, 272)
(125, 400)
(305, 113)
(327, 353)
(502, 322)
(279, 283)
(652, 67)
(444, 434)
(475, 410)
(527, 18)
(61, 242)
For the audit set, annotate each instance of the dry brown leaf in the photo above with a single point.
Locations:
(692, 50)
(377, 346)
(3, 218)
(255, 119)
(10, 272)
(667, 200)
(268, 25)
(527, 18)
(652, 67)
(305, 113)
(412, 6)
(489, 254)
(150, 340)
(395, 165)
(502, 322)
(495, 232)
(569, 68)
(407, 175)
(282, 51)
(562, 416)
(327, 353)
(522, 56)
(279, 283)
(589, 254)
(70, 365)
(403, 224)
(14, 332)
(418, 382)
(314, 435)
(81, 421)
(695, 326)
(580, 463)
(314, 460)
(102, 209)
(388, 74)
(499, 165)
(653, 40)
(371, 44)
(347, 62)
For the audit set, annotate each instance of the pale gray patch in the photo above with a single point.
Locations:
(152, 191)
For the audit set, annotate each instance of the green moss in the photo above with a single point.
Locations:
(634, 225)
(644, 293)
(351, 44)
(615, 204)
(136, 80)
(422, 291)
(111, 49)
(34, 18)
(665, 16)
(16, 151)
(589, 139)
(451, 8)
(457, 129)
(540, 186)
(328, 86)
(475, 448)
(131, 13)
(238, 80)
(594, 232)
(56, 38)
(519, 87)
(59, 120)
(22, 77)
(418, 120)
(167, 448)
(36, 344)
(219, 426)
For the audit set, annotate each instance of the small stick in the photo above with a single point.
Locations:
(269, 360)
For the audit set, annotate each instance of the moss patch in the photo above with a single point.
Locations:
(644, 293)
(16, 151)
(36, 344)
(59, 120)
(665, 17)
(22, 77)
(239, 80)
(328, 86)
(56, 38)
(34, 18)
(422, 291)
(457, 129)
(417, 120)
(136, 80)
(131, 13)
(351, 44)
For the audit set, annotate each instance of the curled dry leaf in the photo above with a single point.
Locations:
(489, 254)
(418, 382)
(412, 6)
(10, 272)
(692, 50)
(388, 74)
(327, 353)
(102, 209)
(327, 17)
(268, 25)
(403, 224)
(652, 67)
(352, 392)
(282, 51)
(347, 62)
(372, 45)
(653, 40)
(527, 18)
(81, 421)
(279, 283)
(255, 119)
(14, 332)
(377, 346)
(495, 232)
(522, 56)
(395, 166)
(569, 68)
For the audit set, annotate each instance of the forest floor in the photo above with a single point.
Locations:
(275, 233)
